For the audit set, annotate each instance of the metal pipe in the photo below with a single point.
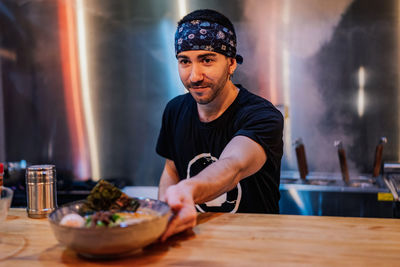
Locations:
(378, 156)
(343, 162)
(301, 158)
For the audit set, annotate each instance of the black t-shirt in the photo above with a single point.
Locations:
(193, 145)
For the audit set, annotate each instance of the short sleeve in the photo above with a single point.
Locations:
(164, 142)
(264, 126)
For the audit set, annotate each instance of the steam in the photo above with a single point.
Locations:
(281, 39)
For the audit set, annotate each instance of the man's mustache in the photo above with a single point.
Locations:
(199, 84)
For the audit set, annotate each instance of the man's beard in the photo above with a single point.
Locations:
(212, 93)
(215, 90)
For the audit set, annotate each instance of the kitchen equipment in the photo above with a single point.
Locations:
(378, 156)
(110, 242)
(14, 173)
(41, 191)
(343, 162)
(301, 158)
(391, 178)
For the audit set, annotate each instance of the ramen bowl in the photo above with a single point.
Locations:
(115, 241)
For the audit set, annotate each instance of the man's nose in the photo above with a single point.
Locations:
(196, 74)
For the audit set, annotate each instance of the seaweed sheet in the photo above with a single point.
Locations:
(107, 197)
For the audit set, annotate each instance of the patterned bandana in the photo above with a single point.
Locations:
(205, 35)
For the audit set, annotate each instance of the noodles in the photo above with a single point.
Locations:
(107, 219)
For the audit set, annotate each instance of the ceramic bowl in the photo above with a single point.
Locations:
(106, 242)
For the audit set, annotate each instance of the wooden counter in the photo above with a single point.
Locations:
(225, 240)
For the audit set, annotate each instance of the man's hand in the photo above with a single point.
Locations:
(184, 212)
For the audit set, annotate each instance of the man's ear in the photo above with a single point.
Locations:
(232, 65)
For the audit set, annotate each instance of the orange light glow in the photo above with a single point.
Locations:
(73, 101)
(273, 53)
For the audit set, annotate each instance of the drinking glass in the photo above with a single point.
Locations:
(6, 195)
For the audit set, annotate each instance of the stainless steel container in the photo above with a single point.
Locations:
(41, 191)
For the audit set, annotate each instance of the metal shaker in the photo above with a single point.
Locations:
(41, 191)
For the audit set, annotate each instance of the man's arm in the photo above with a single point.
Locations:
(241, 158)
(169, 177)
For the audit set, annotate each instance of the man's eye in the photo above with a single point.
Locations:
(183, 61)
(207, 60)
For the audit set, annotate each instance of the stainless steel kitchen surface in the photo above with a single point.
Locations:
(83, 83)
(327, 194)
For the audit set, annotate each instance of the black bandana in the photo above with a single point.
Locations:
(205, 35)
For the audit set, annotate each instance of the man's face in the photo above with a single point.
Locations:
(204, 73)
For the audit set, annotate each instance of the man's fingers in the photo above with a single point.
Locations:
(183, 220)
(174, 229)
(174, 202)
(176, 222)
(181, 203)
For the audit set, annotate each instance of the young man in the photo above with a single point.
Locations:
(223, 145)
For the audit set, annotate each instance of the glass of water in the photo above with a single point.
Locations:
(6, 195)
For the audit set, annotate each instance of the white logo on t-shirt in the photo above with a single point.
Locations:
(199, 163)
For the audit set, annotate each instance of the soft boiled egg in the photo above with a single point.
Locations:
(73, 220)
